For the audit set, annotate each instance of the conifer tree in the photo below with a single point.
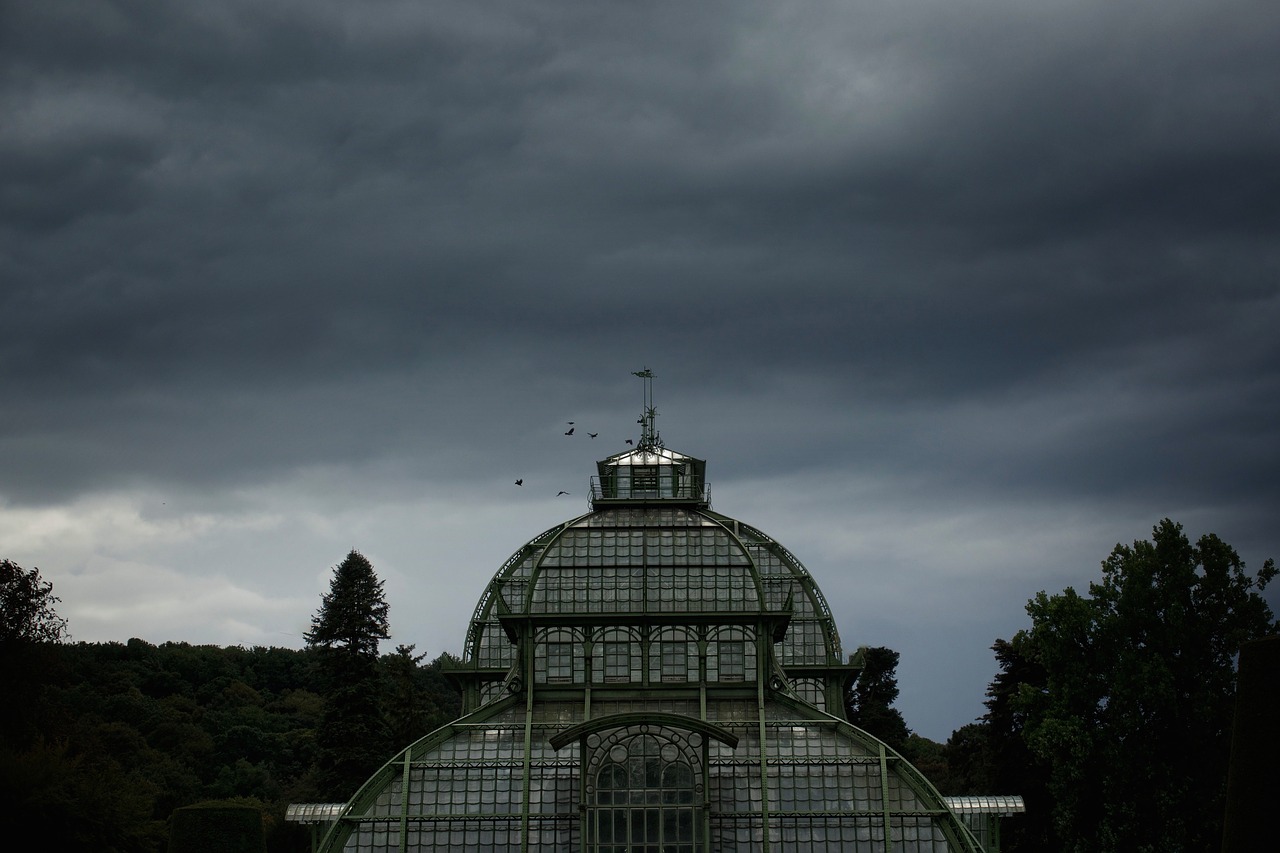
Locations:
(352, 739)
(353, 613)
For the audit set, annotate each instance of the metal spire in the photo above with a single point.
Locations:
(649, 437)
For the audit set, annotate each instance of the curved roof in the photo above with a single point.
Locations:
(466, 779)
(659, 555)
(546, 712)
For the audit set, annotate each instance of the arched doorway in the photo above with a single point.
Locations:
(644, 791)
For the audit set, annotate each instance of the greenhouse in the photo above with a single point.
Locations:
(650, 677)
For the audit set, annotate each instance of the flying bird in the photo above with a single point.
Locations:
(629, 441)
(520, 482)
(561, 492)
(570, 432)
(593, 434)
(570, 423)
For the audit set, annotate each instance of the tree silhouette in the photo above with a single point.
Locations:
(29, 626)
(352, 740)
(353, 613)
(869, 703)
(410, 712)
(1133, 712)
(26, 607)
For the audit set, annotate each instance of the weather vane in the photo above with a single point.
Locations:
(649, 437)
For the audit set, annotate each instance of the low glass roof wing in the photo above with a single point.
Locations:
(996, 804)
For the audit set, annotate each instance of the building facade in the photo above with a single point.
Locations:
(650, 677)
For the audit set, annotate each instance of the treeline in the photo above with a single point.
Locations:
(100, 742)
(1111, 714)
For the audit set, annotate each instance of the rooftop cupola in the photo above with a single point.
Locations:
(650, 472)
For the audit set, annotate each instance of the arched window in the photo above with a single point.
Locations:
(558, 657)
(643, 787)
(811, 690)
(673, 656)
(616, 656)
(731, 655)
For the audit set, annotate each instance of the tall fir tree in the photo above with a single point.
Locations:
(353, 614)
(352, 740)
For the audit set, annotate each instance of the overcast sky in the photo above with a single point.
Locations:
(953, 296)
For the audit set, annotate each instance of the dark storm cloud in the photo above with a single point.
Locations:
(951, 295)
(215, 214)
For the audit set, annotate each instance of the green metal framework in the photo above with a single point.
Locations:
(650, 677)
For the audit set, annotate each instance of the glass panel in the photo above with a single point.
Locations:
(559, 662)
(733, 660)
(644, 481)
(675, 661)
(811, 690)
(617, 661)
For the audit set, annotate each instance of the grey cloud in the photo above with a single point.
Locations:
(984, 253)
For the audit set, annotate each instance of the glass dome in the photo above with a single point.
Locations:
(650, 677)
(660, 562)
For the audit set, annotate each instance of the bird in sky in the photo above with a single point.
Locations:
(593, 434)
(570, 432)
(629, 441)
(561, 492)
(520, 482)
(570, 423)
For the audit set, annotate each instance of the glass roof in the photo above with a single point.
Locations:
(648, 455)
(313, 812)
(508, 778)
(639, 558)
(999, 804)
(622, 658)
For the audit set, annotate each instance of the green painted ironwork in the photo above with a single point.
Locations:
(651, 612)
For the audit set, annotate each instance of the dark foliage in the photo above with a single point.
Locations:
(127, 733)
(27, 611)
(1112, 714)
(30, 629)
(869, 703)
(217, 829)
(411, 709)
(1252, 786)
(353, 613)
(998, 754)
(929, 757)
(353, 738)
